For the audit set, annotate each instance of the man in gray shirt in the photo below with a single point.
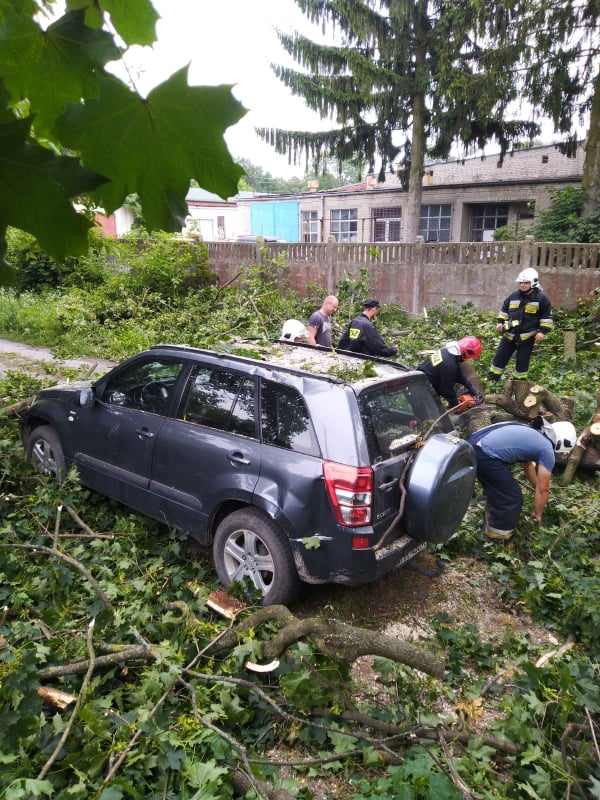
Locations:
(319, 324)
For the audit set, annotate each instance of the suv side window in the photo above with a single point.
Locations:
(146, 387)
(219, 399)
(285, 421)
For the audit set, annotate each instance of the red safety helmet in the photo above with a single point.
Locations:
(470, 347)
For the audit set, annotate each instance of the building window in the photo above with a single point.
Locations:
(386, 224)
(486, 219)
(220, 227)
(434, 224)
(344, 224)
(309, 226)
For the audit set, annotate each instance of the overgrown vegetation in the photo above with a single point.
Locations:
(81, 578)
(563, 221)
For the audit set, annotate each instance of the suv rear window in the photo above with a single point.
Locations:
(391, 413)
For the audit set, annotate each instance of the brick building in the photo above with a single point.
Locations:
(463, 201)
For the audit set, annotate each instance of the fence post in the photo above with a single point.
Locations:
(332, 276)
(418, 249)
(570, 345)
(527, 260)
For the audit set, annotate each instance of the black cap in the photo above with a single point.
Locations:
(371, 303)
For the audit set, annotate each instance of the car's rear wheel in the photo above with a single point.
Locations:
(248, 545)
(45, 449)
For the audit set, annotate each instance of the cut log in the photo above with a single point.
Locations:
(56, 697)
(525, 400)
(586, 452)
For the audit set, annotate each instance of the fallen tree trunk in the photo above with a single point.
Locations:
(587, 449)
(16, 408)
(525, 400)
(336, 639)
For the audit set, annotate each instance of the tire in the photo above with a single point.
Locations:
(44, 448)
(249, 545)
(439, 488)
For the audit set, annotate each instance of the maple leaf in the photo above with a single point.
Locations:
(50, 68)
(155, 146)
(134, 20)
(45, 209)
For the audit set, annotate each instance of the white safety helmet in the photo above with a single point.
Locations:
(293, 330)
(530, 275)
(566, 436)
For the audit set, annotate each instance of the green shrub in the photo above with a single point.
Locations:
(162, 264)
(562, 222)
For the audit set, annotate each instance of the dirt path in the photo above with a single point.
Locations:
(15, 355)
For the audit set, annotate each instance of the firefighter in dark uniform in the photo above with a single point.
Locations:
(361, 335)
(443, 369)
(525, 318)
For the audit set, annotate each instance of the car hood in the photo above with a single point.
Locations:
(63, 390)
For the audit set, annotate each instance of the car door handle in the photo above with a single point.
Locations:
(383, 487)
(145, 433)
(238, 458)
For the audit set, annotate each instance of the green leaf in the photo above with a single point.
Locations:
(311, 542)
(44, 210)
(341, 742)
(29, 788)
(155, 146)
(205, 776)
(134, 20)
(53, 67)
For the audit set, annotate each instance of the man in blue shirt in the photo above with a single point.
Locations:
(497, 448)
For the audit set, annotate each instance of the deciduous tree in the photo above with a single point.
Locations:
(69, 128)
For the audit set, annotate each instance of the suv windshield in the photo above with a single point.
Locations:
(396, 416)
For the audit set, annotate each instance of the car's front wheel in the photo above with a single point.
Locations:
(248, 545)
(45, 449)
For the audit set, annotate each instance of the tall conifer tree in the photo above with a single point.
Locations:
(403, 78)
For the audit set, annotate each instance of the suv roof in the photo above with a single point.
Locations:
(304, 358)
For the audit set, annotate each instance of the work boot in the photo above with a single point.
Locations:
(491, 378)
(494, 535)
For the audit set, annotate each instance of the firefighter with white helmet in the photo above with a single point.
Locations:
(524, 319)
(497, 447)
(293, 331)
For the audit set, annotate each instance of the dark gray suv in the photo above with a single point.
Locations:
(294, 462)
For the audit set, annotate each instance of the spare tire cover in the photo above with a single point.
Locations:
(439, 488)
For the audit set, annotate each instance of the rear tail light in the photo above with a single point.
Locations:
(350, 490)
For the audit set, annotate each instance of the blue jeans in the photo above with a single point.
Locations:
(504, 498)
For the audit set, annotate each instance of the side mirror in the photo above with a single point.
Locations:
(87, 397)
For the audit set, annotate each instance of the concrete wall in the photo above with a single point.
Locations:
(418, 275)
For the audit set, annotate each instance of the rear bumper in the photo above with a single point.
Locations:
(327, 564)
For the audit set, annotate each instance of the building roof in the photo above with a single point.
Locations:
(197, 195)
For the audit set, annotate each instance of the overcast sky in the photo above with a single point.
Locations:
(232, 42)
